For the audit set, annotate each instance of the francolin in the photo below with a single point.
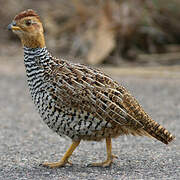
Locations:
(78, 101)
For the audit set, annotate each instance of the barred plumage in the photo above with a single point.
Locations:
(78, 101)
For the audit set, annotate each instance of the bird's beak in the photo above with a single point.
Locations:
(13, 26)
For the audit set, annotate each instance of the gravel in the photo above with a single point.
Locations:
(25, 141)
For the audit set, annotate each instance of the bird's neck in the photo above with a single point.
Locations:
(37, 63)
(34, 41)
(39, 57)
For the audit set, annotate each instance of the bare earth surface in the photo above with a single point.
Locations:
(25, 141)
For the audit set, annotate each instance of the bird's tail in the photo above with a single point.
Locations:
(150, 127)
(157, 131)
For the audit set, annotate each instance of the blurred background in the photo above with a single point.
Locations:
(96, 32)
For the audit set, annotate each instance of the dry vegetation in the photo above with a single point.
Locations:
(106, 31)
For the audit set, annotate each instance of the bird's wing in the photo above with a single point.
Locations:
(88, 89)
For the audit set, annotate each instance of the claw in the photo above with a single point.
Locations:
(54, 164)
(106, 163)
(114, 156)
(69, 162)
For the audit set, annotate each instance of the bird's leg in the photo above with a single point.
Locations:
(110, 156)
(64, 159)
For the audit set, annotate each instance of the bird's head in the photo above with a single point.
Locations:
(28, 27)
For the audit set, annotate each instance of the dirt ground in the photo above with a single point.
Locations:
(25, 141)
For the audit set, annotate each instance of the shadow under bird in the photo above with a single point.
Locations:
(78, 101)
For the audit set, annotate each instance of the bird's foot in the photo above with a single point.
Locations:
(56, 164)
(106, 163)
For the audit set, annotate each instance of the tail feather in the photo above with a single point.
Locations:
(150, 127)
(157, 131)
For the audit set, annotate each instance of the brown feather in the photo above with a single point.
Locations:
(90, 90)
(27, 13)
(150, 126)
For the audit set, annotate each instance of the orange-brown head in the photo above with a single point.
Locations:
(28, 27)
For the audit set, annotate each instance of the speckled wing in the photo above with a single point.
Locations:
(90, 90)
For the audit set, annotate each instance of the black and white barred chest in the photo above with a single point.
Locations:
(65, 121)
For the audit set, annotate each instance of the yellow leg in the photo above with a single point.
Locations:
(64, 159)
(110, 157)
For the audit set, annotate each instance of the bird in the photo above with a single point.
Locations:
(78, 101)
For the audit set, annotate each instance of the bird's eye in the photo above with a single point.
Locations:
(28, 22)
